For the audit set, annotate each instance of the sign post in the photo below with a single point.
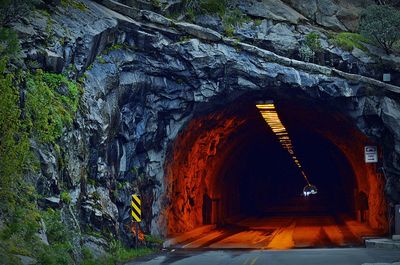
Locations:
(397, 219)
(136, 212)
(371, 154)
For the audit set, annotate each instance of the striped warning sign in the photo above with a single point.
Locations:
(136, 210)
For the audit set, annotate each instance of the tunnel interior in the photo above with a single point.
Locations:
(270, 183)
(227, 165)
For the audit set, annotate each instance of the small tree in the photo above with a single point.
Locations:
(381, 24)
(311, 47)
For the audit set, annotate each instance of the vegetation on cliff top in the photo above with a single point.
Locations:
(381, 24)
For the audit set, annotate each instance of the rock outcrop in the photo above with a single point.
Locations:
(147, 77)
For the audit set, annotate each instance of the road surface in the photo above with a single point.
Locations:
(332, 256)
(281, 232)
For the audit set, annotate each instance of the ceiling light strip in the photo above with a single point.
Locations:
(270, 115)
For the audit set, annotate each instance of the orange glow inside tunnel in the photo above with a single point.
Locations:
(226, 161)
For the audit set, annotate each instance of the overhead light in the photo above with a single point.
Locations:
(271, 117)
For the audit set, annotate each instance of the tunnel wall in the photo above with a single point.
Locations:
(195, 159)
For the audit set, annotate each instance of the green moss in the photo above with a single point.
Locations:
(313, 41)
(91, 181)
(191, 14)
(229, 30)
(9, 47)
(74, 4)
(120, 185)
(101, 60)
(56, 231)
(233, 18)
(114, 47)
(65, 197)
(348, 41)
(195, 7)
(155, 3)
(214, 6)
(51, 103)
(153, 239)
(257, 22)
(123, 254)
(118, 254)
(96, 196)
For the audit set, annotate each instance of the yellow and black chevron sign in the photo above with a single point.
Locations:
(136, 210)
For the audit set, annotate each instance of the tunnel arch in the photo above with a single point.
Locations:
(212, 140)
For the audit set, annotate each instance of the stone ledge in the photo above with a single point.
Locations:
(211, 35)
(198, 31)
(121, 8)
(382, 243)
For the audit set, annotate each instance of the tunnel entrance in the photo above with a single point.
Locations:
(228, 173)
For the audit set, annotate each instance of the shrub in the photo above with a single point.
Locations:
(56, 230)
(348, 41)
(9, 44)
(153, 239)
(381, 24)
(313, 42)
(206, 6)
(51, 103)
(118, 254)
(311, 46)
(66, 197)
(306, 53)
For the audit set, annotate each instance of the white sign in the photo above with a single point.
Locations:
(386, 78)
(371, 154)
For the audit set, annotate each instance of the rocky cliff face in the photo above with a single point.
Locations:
(147, 77)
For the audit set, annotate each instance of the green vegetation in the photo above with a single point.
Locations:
(153, 239)
(114, 47)
(311, 46)
(51, 103)
(348, 41)
(213, 6)
(206, 6)
(65, 197)
(381, 25)
(33, 105)
(101, 60)
(74, 4)
(313, 42)
(232, 19)
(60, 248)
(118, 254)
(257, 22)
(155, 3)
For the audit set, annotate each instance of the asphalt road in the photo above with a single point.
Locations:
(342, 256)
(282, 232)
